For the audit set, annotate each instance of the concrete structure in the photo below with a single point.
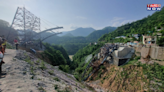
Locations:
(121, 37)
(98, 56)
(122, 55)
(89, 57)
(135, 43)
(157, 53)
(149, 39)
(132, 43)
(136, 35)
(153, 52)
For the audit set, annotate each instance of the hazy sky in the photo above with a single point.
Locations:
(72, 14)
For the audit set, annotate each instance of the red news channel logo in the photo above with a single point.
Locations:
(153, 7)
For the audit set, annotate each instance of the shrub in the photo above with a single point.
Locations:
(9, 46)
(56, 78)
(51, 72)
(91, 78)
(102, 67)
(56, 87)
(64, 68)
(137, 58)
(77, 77)
(42, 66)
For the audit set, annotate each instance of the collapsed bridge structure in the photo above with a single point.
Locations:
(112, 54)
(28, 29)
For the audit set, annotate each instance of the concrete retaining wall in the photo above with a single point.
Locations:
(157, 53)
(154, 52)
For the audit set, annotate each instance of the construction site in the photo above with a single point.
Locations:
(109, 54)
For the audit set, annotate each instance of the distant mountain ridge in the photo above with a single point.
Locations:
(68, 35)
(98, 33)
(73, 43)
(79, 32)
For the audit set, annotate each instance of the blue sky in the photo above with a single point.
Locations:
(72, 14)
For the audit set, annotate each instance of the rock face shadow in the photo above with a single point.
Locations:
(3, 74)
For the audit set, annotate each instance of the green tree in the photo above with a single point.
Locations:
(160, 41)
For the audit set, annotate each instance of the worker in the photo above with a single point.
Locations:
(1, 54)
(1, 61)
(4, 45)
(1, 46)
(16, 43)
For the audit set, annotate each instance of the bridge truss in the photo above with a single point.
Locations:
(28, 26)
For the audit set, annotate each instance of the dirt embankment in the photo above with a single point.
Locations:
(26, 73)
(125, 79)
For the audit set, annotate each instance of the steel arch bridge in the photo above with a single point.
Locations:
(28, 27)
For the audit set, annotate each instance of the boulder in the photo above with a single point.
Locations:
(145, 52)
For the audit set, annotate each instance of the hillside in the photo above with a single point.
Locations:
(68, 35)
(23, 72)
(68, 41)
(138, 27)
(132, 77)
(98, 33)
(79, 32)
(5, 30)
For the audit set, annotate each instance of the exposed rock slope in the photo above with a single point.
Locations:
(26, 73)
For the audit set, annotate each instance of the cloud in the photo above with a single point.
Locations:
(118, 21)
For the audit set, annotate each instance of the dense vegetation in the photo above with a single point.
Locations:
(142, 26)
(56, 54)
(98, 33)
(160, 40)
(73, 44)
(79, 63)
(5, 29)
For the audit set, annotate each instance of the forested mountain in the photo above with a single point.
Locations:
(98, 33)
(138, 27)
(73, 44)
(5, 29)
(68, 35)
(56, 54)
(79, 32)
(142, 26)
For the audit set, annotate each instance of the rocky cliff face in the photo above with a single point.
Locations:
(129, 79)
